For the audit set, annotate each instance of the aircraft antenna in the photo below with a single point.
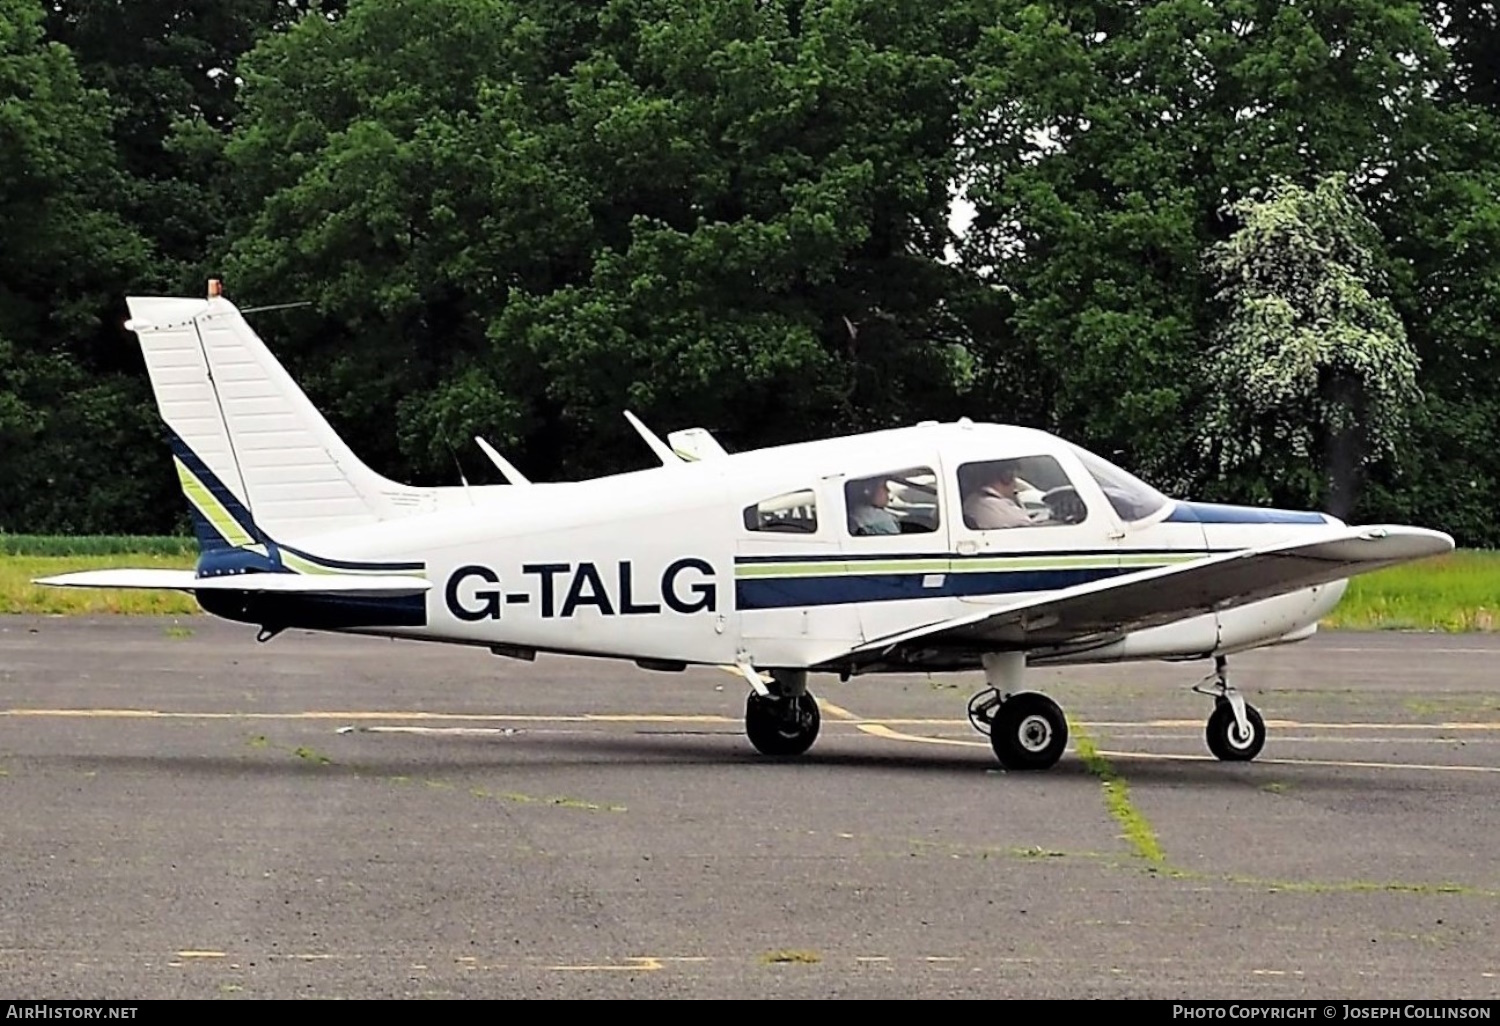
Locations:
(502, 464)
(275, 306)
(459, 465)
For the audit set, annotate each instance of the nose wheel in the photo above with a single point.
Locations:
(1235, 732)
(1227, 740)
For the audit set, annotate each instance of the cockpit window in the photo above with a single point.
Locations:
(795, 512)
(1132, 498)
(1029, 491)
(901, 502)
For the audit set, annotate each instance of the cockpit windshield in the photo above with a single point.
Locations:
(1132, 498)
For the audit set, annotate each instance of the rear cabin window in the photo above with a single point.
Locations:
(792, 513)
(901, 502)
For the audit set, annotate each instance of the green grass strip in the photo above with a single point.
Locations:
(1136, 829)
(19, 595)
(1456, 592)
(97, 545)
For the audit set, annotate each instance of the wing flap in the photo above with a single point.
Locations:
(298, 584)
(1164, 595)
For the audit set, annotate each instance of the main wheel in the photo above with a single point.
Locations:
(1029, 732)
(1225, 739)
(782, 726)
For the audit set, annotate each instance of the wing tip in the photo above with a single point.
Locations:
(1432, 542)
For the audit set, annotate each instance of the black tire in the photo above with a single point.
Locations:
(1029, 732)
(772, 732)
(1224, 738)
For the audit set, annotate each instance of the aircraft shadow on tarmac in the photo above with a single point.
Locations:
(373, 754)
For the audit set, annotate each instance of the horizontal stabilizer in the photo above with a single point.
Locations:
(1152, 598)
(286, 584)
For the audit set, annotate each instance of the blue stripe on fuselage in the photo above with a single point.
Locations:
(346, 564)
(1211, 513)
(781, 592)
(317, 612)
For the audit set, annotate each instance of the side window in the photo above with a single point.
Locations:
(902, 502)
(1032, 491)
(795, 512)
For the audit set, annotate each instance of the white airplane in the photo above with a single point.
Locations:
(761, 561)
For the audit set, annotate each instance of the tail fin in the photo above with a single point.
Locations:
(256, 459)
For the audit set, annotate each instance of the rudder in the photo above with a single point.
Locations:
(255, 458)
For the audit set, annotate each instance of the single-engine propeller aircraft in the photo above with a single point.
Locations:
(940, 547)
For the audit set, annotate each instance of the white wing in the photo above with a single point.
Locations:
(1151, 598)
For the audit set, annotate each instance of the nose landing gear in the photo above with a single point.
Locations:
(1235, 731)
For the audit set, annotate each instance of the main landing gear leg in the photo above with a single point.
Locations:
(786, 721)
(1235, 732)
(1027, 729)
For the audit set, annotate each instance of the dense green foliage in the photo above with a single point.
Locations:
(516, 218)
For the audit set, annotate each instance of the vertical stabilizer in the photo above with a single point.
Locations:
(256, 459)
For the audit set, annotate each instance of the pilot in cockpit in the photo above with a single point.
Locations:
(992, 500)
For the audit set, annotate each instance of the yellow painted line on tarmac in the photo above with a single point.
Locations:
(1337, 763)
(1381, 650)
(1197, 724)
(632, 965)
(1303, 725)
(1313, 739)
(150, 714)
(881, 730)
(837, 711)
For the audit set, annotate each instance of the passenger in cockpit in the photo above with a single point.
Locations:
(867, 508)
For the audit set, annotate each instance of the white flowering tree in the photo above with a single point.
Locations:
(1311, 373)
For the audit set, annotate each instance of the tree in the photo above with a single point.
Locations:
(1311, 374)
(1445, 232)
(519, 217)
(77, 451)
(170, 70)
(1105, 138)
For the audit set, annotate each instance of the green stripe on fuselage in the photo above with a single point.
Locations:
(957, 564)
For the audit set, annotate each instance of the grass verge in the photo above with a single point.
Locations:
(98, 545)
(1457, 592)
(19, 595)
